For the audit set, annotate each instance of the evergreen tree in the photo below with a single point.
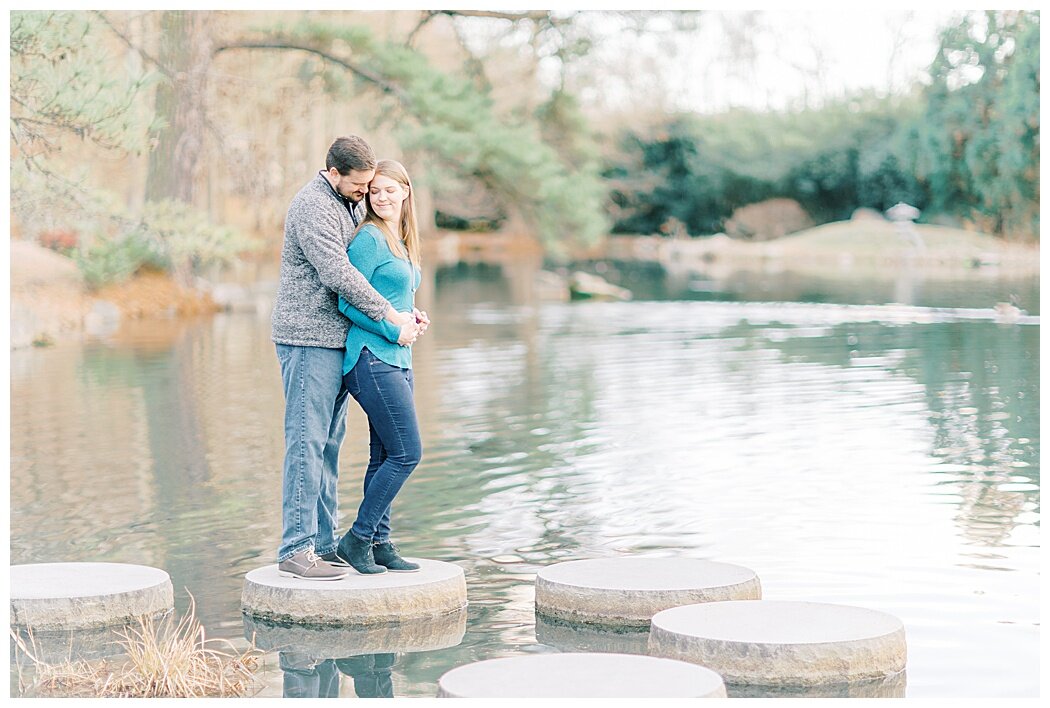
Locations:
(978, 141)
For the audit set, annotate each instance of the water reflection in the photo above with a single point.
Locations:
(327, 642)
(569, 637)
(56, 646)
(312, 658)
(371, 674)
(983, 288)
(306, 677)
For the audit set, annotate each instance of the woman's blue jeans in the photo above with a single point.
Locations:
(384, 392)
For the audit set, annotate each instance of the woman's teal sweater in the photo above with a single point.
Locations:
(396, 279)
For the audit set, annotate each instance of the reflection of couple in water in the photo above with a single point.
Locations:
(344, 322)
(308, 678)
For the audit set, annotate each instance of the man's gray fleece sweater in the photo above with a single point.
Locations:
(315, 271)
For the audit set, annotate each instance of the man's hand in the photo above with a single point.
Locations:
(399, 318)
(410, 323)
(409, 332)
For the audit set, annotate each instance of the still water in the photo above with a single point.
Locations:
(880, 456)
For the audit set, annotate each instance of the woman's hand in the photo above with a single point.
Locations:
(422, 320)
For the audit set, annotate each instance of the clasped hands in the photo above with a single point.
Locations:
(412, 324)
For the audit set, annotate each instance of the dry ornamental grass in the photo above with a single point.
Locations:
(161, 662)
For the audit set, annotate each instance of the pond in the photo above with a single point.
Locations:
(879, 456)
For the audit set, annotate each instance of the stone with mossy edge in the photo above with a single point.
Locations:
(438, 588)
(67, 596)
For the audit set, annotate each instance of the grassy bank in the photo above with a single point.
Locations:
(843, 249)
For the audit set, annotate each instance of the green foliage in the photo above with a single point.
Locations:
(63, 83)
(455, 126)
(182, 234)
(698, 169)
(168, 235)
(115, 259)
(966, 147)
(976, 147)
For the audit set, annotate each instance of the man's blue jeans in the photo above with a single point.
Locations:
(314, 426)
(385, 393)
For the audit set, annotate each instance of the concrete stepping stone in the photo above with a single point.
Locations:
(581, 676)
(320, 643)
(438, 588)
(62, 596)
(771, 643)
(629, 591)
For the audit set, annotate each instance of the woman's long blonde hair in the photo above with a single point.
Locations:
(408, 238)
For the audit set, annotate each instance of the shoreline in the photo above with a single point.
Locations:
(50, 303)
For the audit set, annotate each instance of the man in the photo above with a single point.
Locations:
(310, 334)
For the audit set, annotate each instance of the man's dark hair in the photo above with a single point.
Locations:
(350, 153)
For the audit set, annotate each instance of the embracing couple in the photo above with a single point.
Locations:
(344, 322)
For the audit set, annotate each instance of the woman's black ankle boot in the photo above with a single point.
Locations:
(358, 554)
(387, 556)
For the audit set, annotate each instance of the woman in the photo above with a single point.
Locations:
(378, 372)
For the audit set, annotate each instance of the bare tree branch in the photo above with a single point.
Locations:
(533, 15)
(384, 84)
(132, 46)
(428, 15)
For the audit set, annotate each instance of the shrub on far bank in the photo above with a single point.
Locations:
(115, 259)
(168, 236)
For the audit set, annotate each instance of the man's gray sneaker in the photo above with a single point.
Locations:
(305, 565)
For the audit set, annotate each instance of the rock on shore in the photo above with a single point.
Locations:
(50, 302)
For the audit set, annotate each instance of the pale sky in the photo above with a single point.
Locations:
(770, 59)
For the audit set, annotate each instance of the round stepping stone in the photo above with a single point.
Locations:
(581, 676)
(629, 591)
(340, 642)
(52, 596)
(773, 643)
(438, 588)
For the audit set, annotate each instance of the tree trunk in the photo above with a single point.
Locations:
(175, 160)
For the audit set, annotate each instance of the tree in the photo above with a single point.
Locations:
(977, 145)
(178, 143)
(698, 169)
(65, 90)
(69, 89)
(62, 87)
(452, 122)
